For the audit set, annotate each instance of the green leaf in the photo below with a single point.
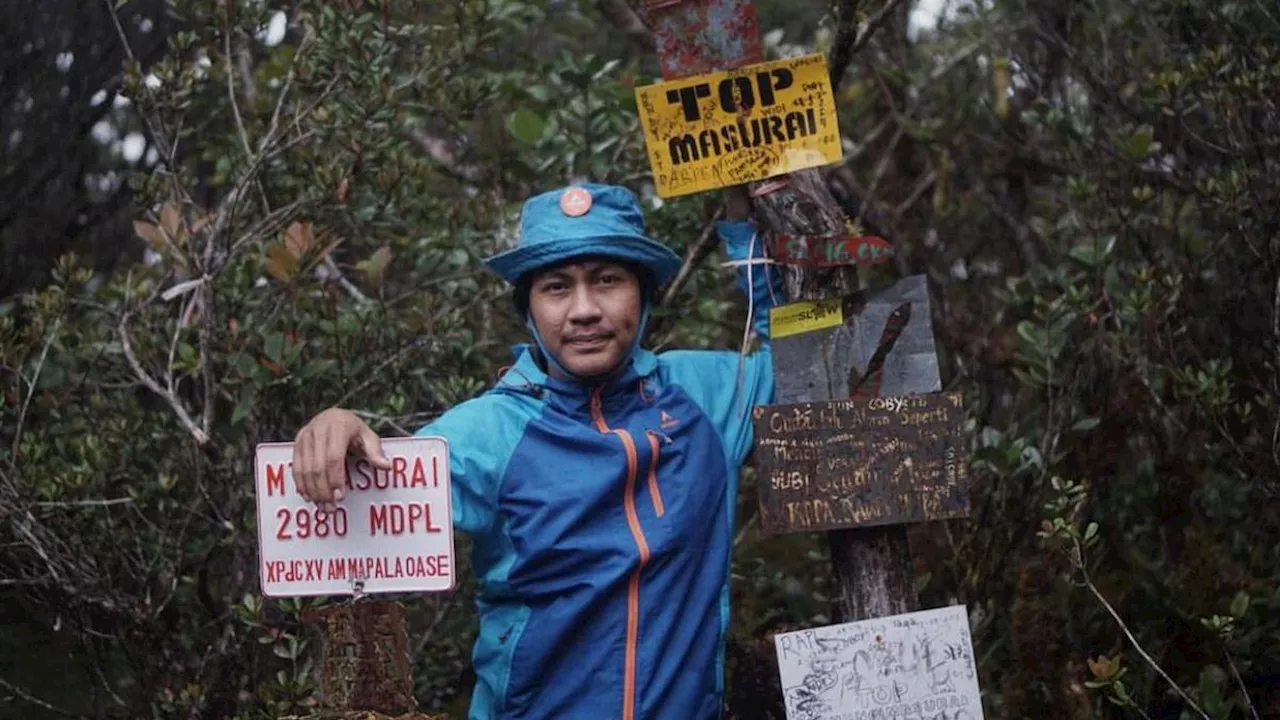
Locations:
(1136, 146)
(1240, 604)
(1029, 332)
(1086, 254)
(273, 345)
(526, 126)
(1086, 424)
(243, 407)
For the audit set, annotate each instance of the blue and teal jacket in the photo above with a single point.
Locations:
(602, 521)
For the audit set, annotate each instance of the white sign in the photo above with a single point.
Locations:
(392, 532)
(917, 666)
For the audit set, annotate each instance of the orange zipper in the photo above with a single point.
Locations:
(637, 534)
(654, 491)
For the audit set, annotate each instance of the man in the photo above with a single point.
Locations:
(597, 479)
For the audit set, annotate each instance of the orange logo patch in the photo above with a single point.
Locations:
(575, 202)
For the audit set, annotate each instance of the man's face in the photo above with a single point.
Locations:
(587, 314)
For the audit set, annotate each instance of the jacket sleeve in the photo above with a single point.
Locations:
(725, 384)
(482, 435)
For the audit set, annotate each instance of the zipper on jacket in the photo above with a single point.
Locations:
(637, 534)
(655, 492)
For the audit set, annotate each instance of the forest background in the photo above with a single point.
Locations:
(218, 218)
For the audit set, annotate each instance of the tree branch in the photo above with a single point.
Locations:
(31, 387)
(624, 17)
(1078, 560)
(83, 503)
(200, 435)
(706, 242)
(23, 694)
(852, 37)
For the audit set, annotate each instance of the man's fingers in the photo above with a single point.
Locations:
(302, 456)
(334, 478)
(371, 446)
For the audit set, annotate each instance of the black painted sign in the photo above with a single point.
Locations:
(861, 462)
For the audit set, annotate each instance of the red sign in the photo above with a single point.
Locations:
(696, 37)
(831, 250)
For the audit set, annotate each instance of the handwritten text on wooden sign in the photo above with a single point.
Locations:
(858, 463)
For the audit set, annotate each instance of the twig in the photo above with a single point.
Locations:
(1275, 336)
(882, 167)
(377, 371)
(346, 284)
(19, 692)
(204, 296)
(861, 149)
(165, 149)
(926, 181)
(365, 415)
(201, 437)
(707, 240)
(846, 20)
(750, 523)
(231, 94)
(623, 16)
(1244, 690)
(84, 503)
(1084, 574)
(842, 55)
(284, 90)
(31, 387)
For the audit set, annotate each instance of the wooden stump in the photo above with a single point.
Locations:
(364, 665)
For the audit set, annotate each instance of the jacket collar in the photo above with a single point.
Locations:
(525, 375)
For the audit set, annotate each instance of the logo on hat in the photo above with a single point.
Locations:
(575, 202)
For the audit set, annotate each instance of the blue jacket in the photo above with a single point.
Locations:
(602, 521)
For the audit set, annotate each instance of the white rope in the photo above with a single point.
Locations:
(751, 311)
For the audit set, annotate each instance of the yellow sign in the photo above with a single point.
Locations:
(728, 128)
(803, 317)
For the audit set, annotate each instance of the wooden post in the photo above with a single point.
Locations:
(364, 665)
(872, 566)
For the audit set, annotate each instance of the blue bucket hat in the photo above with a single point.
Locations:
(581, 220)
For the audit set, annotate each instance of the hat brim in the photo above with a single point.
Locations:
(658, 258)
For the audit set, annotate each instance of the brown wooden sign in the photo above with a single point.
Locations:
(861, 462)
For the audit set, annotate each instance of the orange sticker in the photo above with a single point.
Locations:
(575, 202)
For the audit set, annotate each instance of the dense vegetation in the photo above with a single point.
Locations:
(1092, 187)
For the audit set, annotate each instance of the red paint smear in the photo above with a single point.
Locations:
(831, 251)
(696, 37)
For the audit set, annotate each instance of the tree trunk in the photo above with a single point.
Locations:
(872, 565)
(364, 666)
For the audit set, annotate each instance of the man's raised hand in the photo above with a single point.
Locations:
(320, 455)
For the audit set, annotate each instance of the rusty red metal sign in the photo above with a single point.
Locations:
(702, 36)
(831, 250)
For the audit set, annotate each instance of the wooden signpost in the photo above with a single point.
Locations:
(393, 532)
(862, 440)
